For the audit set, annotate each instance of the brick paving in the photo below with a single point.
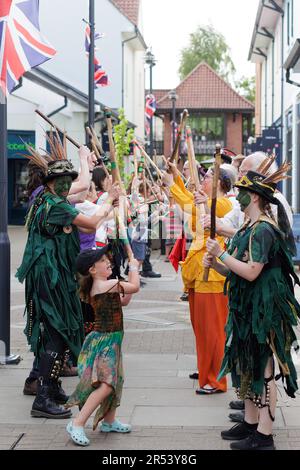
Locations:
(158, 398)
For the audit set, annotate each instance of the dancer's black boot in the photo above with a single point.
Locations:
(44, 405)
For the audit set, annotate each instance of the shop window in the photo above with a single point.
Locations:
(207, 128)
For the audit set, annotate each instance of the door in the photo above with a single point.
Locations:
(17, 194)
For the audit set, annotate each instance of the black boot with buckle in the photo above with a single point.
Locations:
(44, 405)
(58, 393)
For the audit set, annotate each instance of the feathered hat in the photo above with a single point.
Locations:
(54, 163)
(264, 184)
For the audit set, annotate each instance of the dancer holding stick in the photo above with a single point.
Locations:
(208, 305)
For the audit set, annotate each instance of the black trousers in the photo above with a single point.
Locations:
(55, 343)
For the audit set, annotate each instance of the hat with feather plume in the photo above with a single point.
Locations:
(52, 164)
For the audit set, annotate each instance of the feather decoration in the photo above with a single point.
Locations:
(266, 165)
(33, 155)
(280, 174)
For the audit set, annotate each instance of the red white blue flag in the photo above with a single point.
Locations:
(22, 47)
(149, 111)
(100, 76)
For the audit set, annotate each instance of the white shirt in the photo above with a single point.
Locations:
(236, 217)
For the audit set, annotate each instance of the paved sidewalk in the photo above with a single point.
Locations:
(159, 399)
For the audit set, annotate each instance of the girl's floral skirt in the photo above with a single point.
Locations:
(100, 361)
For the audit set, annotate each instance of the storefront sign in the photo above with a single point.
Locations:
(16, 147)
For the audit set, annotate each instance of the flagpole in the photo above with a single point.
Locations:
(5, 355)
(91, 120)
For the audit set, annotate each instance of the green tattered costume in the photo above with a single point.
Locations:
(261, 313)
(49, 269)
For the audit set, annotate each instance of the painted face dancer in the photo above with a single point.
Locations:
(54, 318)
(262, 307)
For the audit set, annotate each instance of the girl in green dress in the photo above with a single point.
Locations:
(100, 361)
(262, 309)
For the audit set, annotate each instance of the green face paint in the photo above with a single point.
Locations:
(62, 185)
(244, 199)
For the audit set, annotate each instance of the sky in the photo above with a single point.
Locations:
(169, 23)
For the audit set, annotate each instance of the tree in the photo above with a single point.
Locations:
(123, 138)
(207, 45)
(246, 87)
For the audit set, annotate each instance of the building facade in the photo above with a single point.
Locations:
(276, 52)
(218, 114)
(59, 88)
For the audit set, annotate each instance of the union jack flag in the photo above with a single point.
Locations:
(100, 76)
(22, 46)
(88, 39)
(149, 111)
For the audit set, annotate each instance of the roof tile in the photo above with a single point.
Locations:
(203, 88)
(129, 8)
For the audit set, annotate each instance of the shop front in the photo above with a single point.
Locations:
(17, 174)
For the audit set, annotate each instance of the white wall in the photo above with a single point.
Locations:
(21, 115)
(61, 22)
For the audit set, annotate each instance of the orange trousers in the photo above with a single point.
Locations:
(208, 316)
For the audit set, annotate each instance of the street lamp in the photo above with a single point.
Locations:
(150, 60)
(173, 97)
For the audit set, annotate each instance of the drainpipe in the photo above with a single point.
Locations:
(59, 109)
(123, 44)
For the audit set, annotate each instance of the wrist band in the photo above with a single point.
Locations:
(133, 269)
(223, 256)
(113, 165)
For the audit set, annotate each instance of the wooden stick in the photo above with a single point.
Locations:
(97, 141)
(159, 173)
(70, 139)
(218, 161)
(135, 161)
(116, 176)
(192, 160)
(174, 156)
(124, 238)
(96, 150)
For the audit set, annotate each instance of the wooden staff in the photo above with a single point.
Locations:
(96, 139)
(175, 154)
(218, 162)
(96, 150)
(159, 173)
(116, 177)
(70, 139)
(192, 160)
(135, 160)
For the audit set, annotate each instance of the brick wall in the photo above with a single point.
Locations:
(234, 132)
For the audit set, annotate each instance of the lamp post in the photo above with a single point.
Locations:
(173, 97)
(91, 119)
(150, 60)
(5, 355)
